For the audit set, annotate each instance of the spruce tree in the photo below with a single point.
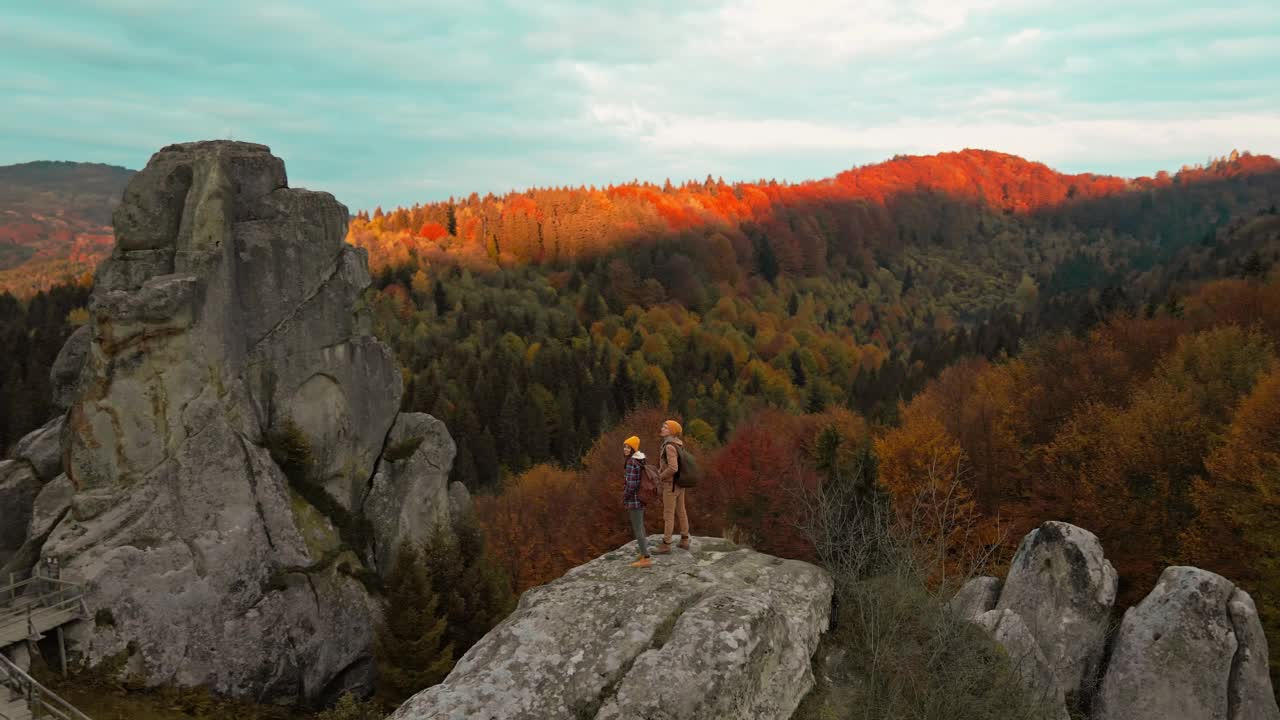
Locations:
(412, 649)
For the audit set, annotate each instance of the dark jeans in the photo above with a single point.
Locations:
(637, 526)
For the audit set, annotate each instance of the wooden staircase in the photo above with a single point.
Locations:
(29, 607)
(13, 706)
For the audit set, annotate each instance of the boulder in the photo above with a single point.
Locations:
(460, 506)
(976, 597)
(18, 489)
(1250, 694)
(228, 307)
(43, 449)
(1063, 588)
(65, 374)
(1033, 670)
(409, 495)
(51, 504)
(724, 631)
(1178, 655)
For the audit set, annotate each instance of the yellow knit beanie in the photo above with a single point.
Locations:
(632, 442)
(673, 426)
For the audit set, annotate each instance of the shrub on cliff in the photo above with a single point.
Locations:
(893, 649)
(412, 647)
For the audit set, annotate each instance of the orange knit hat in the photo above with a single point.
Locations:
(632, 442)
(673, 426)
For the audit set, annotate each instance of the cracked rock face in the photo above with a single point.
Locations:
(1193, 648)
(410, 491)
(718, 632)
(1029, 663)
(18, 490)
(1063, 588)
(227, 307)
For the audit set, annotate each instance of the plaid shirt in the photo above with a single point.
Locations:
(632, 474)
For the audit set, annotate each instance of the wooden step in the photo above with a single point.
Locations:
(13, 709)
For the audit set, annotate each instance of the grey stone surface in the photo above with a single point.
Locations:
(229, 304)
(18, 489)
(1180, 656)
(460, 505)
(718, 632)
(1038, 679)
(976, 597)
(1063, 588)
(1250, 693)
(51, 504)
(42, 448)
(409, 495)
(65, 374)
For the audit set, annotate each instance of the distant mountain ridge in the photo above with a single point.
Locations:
(55, 215)
(55, 221)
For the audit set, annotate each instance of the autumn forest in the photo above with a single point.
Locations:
(1077, 347)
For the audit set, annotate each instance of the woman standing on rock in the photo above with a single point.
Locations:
(633, 472)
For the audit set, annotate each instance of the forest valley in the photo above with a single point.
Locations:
(1072, 347)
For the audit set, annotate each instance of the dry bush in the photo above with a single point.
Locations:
(894, 651)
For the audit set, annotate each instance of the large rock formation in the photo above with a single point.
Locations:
(42, 448)
(1037, 677)
(18, 490)
(976, 597)
(401, 511)
(1064, 589)
(226, 319)
(48, 508)
(718, 632)
(1192, 649)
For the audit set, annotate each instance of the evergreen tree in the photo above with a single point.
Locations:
(412, 650)
(766, 260)
(624, 391)
(817, 400)
(441, 298)
(475, 594)
(511, 430)
(798, 375)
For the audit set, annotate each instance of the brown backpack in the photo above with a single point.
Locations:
(649, 493)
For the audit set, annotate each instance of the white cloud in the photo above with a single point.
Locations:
(1023, 37)
(823, 31)
(1048, 138)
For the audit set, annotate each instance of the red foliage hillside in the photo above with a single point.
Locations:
(55, 221)
(801, 220)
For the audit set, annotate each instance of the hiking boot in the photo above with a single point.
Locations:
(663, 548)
(643, 562)
(684, 544)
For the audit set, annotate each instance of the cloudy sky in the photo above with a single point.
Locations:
(416, 100)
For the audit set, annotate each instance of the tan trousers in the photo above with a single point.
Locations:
(673, 505)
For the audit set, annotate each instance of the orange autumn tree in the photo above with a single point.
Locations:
(530, 526)
(1237, 527)
(1127, 432)
(928, 478)
(548, 520)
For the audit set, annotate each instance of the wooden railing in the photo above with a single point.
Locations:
(42, 701)
(38, 594)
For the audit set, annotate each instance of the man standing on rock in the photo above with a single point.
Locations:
(633, 473)
(672, 495)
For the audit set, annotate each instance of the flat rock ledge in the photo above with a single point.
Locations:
(719, 631)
